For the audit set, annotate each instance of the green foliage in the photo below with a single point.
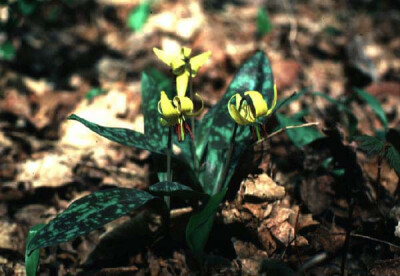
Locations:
(352, 120)
(264, 25)
(375, 146)
(7, 51)
(138, 16)
(32, 259)
(393, 158)
(215, 130)
(123, 136)
(299, 136)
(27, 7)
(374, 104)
(87, 214)
(213, 139)
(94, 92)
(200, 224)
(166, 188)
(336, 172)
(370, 144)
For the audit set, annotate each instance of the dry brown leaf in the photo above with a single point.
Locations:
(262, 188)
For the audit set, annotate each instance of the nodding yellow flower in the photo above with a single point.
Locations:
(182, 65)
(247, 109)
(173, 113)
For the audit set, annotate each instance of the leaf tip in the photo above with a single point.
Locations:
(72, 117)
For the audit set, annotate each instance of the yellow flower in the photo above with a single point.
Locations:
(182, 65)
(246, 110)
(173, 113)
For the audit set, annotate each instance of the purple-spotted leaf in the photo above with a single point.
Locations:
(167, 188)
(87, 214)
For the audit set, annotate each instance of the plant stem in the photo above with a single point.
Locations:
(378, 178)
(229, 156)
(228, 160)
(192, 121)
(347, 237)
(169, 173)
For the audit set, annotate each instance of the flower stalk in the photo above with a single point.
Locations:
(167, 199)
(192, 121)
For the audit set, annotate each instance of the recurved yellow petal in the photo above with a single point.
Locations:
(197, 112)
(239, 116)
(260, 107)
(178, 66)
(198, 61)
(163, 56)
(182, 83)
(273, 101)
(183, 104)
(170, 114)
(186, 52)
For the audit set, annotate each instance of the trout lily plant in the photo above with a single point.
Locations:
(207, 159)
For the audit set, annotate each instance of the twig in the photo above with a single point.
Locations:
(313, 261)
(285, 128)
(370, 238)
(180, 212)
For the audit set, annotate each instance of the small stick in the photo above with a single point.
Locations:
(180, 212)
(285, 128)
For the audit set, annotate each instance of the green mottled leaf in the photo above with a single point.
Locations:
(374, 104)
(32, 260)
(7, 51)
(87, 214)
(264, 25)
(299, 136)
(27, 7)
(94, 92)
(215, 130)
(151, 85)
(153, 82)
(352, 120)
(370, 144)
(393, 158)
(167, 188)
(138, 16)
(123, 136)
(161, 81)
(200, 224)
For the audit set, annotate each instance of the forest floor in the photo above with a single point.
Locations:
(301, 214)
